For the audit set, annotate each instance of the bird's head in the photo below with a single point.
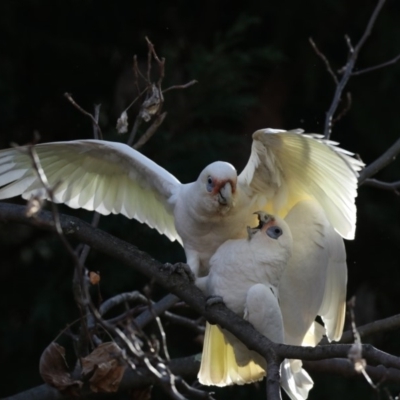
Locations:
(271, 231)
(218, 183)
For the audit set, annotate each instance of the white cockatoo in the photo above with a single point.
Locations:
(246, 274)
(284, 168)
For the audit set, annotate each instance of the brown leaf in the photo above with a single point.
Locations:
(105, 364)
(94, 278)
(54, 369)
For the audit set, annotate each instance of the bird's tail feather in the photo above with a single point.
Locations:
(218, 362)
(295, 380)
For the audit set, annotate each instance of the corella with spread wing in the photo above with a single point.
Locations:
(304, 178)
(284, 168)
(246, 274)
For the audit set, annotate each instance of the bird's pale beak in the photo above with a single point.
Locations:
(264, 219)
(225, 195)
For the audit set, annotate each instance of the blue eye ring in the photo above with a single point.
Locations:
(274, 232)
(210, 184)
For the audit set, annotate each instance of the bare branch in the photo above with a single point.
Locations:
(345, 368)
(96, 131)
(393, 186)
(121, 298)
(77, 106)
(187, 291)
(325, 60)
(186, 322)
(375, 67)
(345, 110)
(136, 124)
(348, 69)
(185, 86)
(355, 353)
(386, 158)
(379, 326)
(150, 131)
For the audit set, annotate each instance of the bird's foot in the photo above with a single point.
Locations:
(211, 300)
(179, 268)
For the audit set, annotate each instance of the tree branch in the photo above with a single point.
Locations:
(181, 286)
(348, 69)
(386, 158)
(379, 66)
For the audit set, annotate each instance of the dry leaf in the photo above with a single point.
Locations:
(54, 369)
(105, 364)
(122, 123)
(94, 278)
(34, 205)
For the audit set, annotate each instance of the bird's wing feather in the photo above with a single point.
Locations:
(288, 166)
(106, 177)
(333, 307)
(314, 282)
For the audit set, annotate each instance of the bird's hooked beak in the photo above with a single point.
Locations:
(225, 194)
(264, 222)
(268, 225)
(264, 219)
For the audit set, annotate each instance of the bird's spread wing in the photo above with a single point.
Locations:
(314, 282)
(106, 177)
(288, 166)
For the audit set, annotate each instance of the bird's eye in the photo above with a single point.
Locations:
(210, 184)
(274, 232)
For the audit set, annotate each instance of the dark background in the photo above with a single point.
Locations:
(255, 69)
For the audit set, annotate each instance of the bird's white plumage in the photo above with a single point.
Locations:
(106, 177)
(314, 282)
(246, 274)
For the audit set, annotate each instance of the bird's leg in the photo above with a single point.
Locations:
(179, 268)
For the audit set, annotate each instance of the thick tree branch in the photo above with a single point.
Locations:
(187, 291)
(386, 158)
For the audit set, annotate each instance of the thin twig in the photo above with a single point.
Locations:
(325, 60)
(348, 69)
(136, 73)
(77, 106)
(186, 322)
(150, 131)
(136, 124)
(121, 298)
(185, 86)
(355, 353)
(96, 132)
(345, 110)
(375, 67)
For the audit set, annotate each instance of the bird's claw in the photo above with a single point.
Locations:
(211, 300)
(179, 268)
